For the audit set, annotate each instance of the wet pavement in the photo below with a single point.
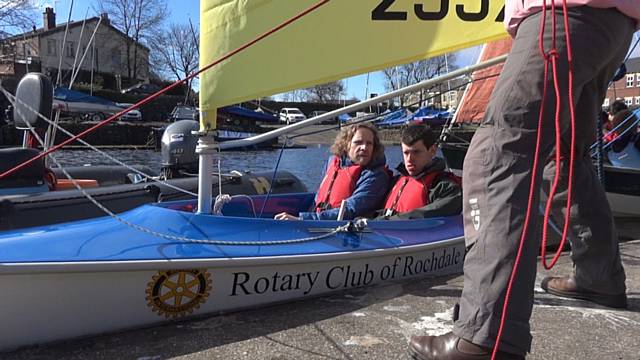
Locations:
(371, 323)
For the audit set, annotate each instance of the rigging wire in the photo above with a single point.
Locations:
(13, 100)
(164, 90)
(273, 178)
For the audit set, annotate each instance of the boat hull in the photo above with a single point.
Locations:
(161, 262)
(51, 302)
(54, 207)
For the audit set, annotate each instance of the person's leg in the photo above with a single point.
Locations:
(497, 174)
(592, 234)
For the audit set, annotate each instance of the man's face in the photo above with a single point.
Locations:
(417, 156)
(361, 147)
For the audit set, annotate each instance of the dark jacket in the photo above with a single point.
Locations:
(368, 196)
(445, 195)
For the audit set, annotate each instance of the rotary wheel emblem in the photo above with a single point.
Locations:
(175, 293)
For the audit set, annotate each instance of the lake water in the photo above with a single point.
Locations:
(307, 164)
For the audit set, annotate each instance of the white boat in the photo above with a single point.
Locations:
(171, 260)
(76, 102)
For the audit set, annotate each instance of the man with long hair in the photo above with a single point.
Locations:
(355, 173)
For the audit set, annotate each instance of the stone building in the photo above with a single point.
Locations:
(46, 49)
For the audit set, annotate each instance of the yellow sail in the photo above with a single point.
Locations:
(339, 39)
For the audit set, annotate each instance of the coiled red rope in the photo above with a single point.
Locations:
(162, 91)
(550, 58)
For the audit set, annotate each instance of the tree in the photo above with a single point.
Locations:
(139, 20)
(16, 14)
(175, 51)
(408, 74)
(325, 92)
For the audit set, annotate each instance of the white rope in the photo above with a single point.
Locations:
(349, 227)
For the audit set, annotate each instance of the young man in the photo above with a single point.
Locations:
(424, 188)
(356, 173)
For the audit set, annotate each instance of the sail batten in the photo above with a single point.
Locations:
(339, 39)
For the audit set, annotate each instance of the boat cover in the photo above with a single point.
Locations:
(64, 94)
(244, 112)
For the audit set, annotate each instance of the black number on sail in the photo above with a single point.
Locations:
(431, 15)
(381, 13)
(500, 17)
(472, 16)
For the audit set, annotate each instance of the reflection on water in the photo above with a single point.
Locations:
(307, 164)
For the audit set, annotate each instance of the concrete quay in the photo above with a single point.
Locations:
(370, 323)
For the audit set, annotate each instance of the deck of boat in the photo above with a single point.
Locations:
(371, 323)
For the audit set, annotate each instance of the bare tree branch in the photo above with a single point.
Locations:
(139, 20)
(408, 74)
(175, 51)
(16, 16)
(325, 92)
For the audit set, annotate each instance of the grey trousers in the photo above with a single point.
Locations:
(497, 175)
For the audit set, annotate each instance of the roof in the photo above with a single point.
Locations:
(73, 24)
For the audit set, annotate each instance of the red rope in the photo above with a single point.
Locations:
(550, 59)
(565, 229)
(153, 96)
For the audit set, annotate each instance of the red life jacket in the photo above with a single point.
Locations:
(409, 193)
(337, 185)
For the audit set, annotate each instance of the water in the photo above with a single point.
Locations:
(307, 164)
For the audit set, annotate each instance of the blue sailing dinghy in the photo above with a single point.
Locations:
(164, 261)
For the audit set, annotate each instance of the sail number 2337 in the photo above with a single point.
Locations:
(382, 12)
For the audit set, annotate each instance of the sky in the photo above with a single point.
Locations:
(180, 11)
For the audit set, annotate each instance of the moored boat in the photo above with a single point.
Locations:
(169, 260)
(103, 275)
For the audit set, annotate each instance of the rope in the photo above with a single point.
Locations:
(13, 100)
(600, 150)
(349, 227)
(162, 91)
(273, 178)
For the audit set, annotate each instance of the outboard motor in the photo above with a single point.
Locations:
(179, 149)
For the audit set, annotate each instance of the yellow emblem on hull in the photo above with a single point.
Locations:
(175, 293)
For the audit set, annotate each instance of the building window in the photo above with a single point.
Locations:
(630, 80)
(637, 100)
(606, 102)
(628, 101)
(71, 49)
(51, 47)
(638, 79)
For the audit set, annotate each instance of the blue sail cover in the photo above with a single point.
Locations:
(344, 118)
(426, 115)
(247, 113)
(68, 95)
(397, 117)
(431, 116)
